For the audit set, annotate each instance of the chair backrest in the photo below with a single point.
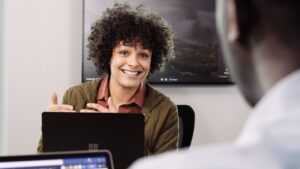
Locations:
(186, 125)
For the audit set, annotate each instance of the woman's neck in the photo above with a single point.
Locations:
(119, 94)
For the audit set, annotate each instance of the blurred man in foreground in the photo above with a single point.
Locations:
(261, 44)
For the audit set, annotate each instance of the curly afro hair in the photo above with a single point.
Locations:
(122, 23)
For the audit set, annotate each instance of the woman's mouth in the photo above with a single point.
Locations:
(131, 73)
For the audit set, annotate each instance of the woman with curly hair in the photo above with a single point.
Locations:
(127, 46)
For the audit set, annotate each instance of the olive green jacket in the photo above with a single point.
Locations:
(161, 116)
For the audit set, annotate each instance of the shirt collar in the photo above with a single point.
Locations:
(138, 98)
(140, 95)
(103, 90)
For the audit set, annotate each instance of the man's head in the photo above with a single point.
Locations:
(260, 41)
(123, 24)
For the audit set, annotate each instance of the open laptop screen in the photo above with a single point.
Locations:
(121, 133)
(66, 160)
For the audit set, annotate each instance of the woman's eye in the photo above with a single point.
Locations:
(144, 56)
(125, 53)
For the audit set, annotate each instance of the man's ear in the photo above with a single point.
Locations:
(240, 21)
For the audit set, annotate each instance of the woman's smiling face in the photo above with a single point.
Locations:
(129, 65)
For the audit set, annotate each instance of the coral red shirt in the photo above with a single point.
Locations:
(134, 106)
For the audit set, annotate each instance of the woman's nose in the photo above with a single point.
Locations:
(133, 61)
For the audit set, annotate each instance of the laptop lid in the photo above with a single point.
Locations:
(122, 134)
(83, 159)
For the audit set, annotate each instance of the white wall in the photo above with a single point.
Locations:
(43, 51)
(2, 86)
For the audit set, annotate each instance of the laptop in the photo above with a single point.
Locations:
(121, 133)
(81, 159)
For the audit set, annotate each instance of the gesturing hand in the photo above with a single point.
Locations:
(94, 107)
(55, 107)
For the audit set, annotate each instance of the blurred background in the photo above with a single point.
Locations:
(41, 50)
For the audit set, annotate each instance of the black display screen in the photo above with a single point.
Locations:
(198, 57)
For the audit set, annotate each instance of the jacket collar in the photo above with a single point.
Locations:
(153, 97)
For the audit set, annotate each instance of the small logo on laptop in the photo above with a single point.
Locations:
(93, 146)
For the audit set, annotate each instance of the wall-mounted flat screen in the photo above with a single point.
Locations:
(198, 57)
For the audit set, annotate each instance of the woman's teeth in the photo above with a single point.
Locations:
(131, 73)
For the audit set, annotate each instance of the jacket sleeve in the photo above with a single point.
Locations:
(75, 97)
(40, 147)
(168, 135)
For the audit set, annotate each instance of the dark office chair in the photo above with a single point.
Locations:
(186, 125)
